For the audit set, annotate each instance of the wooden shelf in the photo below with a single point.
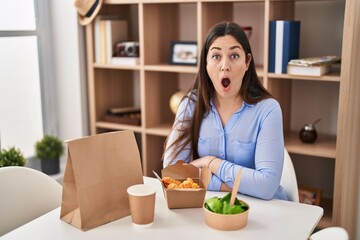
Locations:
(171, 68)
(324, 146)
(161, 130)
(260, 70)
(331, 77)
(116, 126)
(118, 2)
(111, 66)
(326, 220)
(186, 69)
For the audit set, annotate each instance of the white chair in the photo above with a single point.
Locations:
(288, 179)
(25, 194)
(330, 233)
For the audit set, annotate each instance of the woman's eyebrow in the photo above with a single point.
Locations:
(231, 48)
(236, 46)
(216, 48)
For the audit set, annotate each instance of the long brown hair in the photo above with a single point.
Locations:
(251, 91)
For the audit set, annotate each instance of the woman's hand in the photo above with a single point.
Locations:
(202, 162)
(211, 164)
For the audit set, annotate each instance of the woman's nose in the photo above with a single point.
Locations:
(225, 66)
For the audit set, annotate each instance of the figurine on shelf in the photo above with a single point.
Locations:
(308, 133)
(175, 100)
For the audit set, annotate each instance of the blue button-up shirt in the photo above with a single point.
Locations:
(252, 140)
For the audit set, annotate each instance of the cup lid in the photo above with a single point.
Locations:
(141, 190)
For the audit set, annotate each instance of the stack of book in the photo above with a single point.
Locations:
(314, 66)
(108, 31)
(130, 115)
(284, 40)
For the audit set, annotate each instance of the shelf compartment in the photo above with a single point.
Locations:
(325, 145)
(154, 151)
(124, 11)
(115, 88)
(244, 13)
(160, 86)
(163, 23)
(326, 220)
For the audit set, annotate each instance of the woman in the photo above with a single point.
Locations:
(228, 121)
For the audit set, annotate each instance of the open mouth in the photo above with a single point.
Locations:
(225, 82)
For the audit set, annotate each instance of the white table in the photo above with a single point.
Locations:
(273, 219)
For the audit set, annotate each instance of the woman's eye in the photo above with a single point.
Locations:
(234, 56)
(216, 57)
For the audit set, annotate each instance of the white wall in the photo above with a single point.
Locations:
(67, 68)
(68, 57)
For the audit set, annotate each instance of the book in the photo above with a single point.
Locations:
(130, 119)
(284, 40)
(100, 38)
(108, 31)
(116, 31)
(315, 70)
(279, 45)
(97, 40)
(312, 66)
(272, 43)
(125, 60)
(314, 61)
(124, 110)
(102, 42)
(124, 115)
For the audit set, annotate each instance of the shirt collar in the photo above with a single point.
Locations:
(242, 106)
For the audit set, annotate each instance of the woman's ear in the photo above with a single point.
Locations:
(248, 60)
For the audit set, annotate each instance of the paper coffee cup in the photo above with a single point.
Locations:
(142, 203)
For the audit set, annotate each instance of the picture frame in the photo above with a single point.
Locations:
(310, 195)
(183, 53)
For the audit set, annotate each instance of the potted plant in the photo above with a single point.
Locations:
(48, 150)
(12, 157)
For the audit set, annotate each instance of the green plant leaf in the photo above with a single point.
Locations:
(49, 148)
(228, 209)
(12, 157)
(215, 205)
(222, 205)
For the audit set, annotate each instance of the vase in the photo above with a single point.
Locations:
(308, 133)
(50, 166)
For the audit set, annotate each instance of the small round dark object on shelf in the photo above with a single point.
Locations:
(308, 133)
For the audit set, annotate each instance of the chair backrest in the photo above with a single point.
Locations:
(330, 233)
(25, 194)
(288, 179)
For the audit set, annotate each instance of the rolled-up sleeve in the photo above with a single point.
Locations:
(263, 181)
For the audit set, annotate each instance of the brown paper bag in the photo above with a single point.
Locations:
(99, 170)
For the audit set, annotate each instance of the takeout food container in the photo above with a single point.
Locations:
(186, 197)
(226, 222)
